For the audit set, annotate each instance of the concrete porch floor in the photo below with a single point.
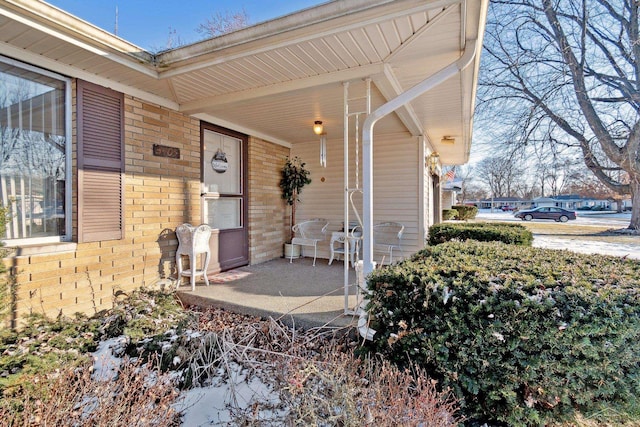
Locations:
(298, 294)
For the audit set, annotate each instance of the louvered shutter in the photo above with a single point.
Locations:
(100, 122)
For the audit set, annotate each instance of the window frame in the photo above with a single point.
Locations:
(68, 129)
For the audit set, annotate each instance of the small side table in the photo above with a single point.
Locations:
(337, 246)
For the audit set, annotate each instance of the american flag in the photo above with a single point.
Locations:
(450, 175)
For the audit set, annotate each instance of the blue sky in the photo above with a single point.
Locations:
(147, 23)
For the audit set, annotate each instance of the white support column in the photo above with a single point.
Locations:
(367, 156)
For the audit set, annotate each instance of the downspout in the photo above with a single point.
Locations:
(427, 84)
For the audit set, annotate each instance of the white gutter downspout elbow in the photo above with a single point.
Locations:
(404, 98)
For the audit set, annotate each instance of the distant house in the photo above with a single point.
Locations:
(625, 204)
(450, 192)
(569, 201)
(543, 201)
(574, 201)
(500, 202)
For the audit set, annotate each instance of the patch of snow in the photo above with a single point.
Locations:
(106, 358)
(614, 220)
(215, 404)
(589, 246)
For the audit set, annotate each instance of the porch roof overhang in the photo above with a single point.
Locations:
(274, 79)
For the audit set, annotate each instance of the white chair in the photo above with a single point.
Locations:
(193, 241)
(309, 233)
(387, 236)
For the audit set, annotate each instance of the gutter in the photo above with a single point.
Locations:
(467, 57)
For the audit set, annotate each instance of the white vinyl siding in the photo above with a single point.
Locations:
(396, 186)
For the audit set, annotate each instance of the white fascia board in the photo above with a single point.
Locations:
(44, 18)
(242, 129)
(66, 70)
(309, 82)
(482, 23)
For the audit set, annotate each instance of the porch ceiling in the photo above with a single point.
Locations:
(274, 79)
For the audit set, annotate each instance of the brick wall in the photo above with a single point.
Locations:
(160, 194)
(268, 218)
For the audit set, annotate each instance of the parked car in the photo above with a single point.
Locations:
(546, 212)
(508, 208)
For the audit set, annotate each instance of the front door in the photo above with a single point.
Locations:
(224, 193)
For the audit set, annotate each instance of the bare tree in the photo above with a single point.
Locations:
(565, 73)
(501, 175)
(218, 23)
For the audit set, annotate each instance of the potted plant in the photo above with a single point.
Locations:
(293, 179)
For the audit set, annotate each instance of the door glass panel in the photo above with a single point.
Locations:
(222, 164)
(224, 213)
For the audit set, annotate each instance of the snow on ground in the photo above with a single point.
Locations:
(589, 246)
(212, 405)
(613, 220)
(106, 358)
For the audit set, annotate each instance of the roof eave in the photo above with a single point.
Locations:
(327, 17)
(61, 23)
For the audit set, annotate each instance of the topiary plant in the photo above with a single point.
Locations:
(293, 179)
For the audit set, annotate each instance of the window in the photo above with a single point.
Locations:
(35, 153)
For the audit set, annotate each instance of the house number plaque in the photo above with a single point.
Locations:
(166, 151)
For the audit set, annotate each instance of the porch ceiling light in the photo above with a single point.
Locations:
(433, 161)
(318, 129)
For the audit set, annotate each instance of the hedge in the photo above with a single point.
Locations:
(449, 214)
(521, 335)
(515, 234)
(466, 212)
(6, 299)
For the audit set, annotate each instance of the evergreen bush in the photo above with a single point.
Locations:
(449, 214)
(466, 212)
(522, 335)
(5, 280)
(515, 234)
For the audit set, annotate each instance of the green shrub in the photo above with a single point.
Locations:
(448, 214)
(466, 212)
(515, 234)
(6, 302)
(521, 335)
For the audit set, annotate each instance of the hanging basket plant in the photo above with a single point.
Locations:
(293, 179)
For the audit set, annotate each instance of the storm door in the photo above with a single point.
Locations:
(224, 193)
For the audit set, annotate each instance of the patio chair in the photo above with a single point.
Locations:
(387, 236)
(193, 241)
(309, 233)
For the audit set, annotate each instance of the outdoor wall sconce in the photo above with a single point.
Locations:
(318, 129)
(433, 161)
